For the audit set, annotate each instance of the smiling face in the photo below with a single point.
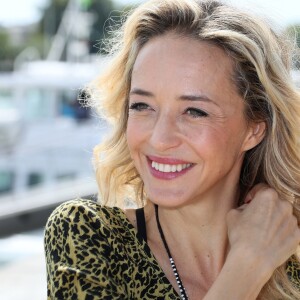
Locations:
(186, 130)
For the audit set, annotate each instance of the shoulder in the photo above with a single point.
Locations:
(83, 210)
(81, 238)
(82, 219)
(83, 206)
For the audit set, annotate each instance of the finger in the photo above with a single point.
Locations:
(251, 194)
(242, 207)
(287, 207)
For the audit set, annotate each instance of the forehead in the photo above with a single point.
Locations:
(185, 64)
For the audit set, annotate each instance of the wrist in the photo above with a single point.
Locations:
(242, 277)
(249, 271)
(250, 261)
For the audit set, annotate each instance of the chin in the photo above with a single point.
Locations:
(168, 200)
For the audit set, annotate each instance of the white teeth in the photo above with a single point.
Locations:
(179, 168)
(165, 168)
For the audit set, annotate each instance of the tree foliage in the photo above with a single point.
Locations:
(8, 51)
(293, 31)
(100, 10)
(51, 17)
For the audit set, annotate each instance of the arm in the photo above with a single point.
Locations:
(238, 280)
(262, 235)
(78, 255)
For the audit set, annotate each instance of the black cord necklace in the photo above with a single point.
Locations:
(183, 294)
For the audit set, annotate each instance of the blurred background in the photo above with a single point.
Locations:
(49, 50)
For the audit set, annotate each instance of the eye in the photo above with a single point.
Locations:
(139, 106)
(196, 112)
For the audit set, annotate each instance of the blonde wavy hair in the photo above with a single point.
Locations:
(261, 62)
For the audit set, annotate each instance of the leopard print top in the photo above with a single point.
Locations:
(93, 252)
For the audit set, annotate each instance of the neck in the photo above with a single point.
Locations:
(197, 230)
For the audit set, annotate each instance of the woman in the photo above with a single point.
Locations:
(206, 141)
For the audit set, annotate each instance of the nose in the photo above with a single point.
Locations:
(165, 134)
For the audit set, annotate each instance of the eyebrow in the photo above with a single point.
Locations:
(195, 97)
(141, 92)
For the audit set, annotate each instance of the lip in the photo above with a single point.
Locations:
(167, 176)
(166, 160)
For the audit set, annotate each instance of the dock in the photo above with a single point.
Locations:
(31, 210)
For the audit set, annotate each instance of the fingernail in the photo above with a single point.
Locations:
(247, 200)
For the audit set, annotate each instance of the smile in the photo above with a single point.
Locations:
(166, 168)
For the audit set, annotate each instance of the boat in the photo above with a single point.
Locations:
(46, 140)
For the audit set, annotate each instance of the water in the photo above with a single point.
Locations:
(22, 267)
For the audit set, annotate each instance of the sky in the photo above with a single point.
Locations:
(281, 12)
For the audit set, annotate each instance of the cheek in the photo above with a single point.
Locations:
(204, 137)
(214, 142)
(138, 127)
(134, 135)
(130, 133)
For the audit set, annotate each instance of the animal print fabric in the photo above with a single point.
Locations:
(93, 252)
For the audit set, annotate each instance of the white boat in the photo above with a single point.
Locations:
(46, 138)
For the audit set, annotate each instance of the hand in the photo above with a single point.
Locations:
(264, 231)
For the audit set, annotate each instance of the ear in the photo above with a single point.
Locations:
(256, 133)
